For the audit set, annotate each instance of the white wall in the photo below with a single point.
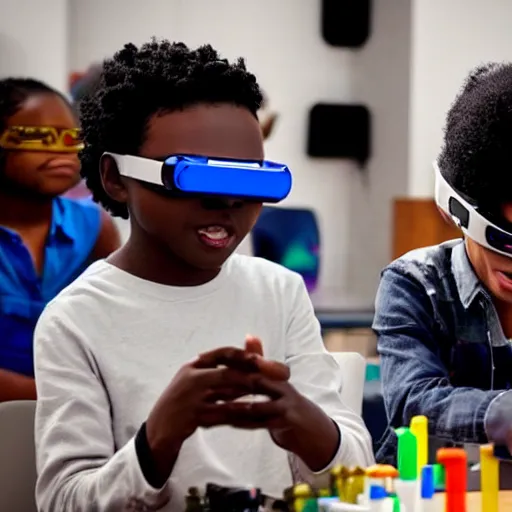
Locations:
(282, 43)
(408, 73)
(381, 80)
(450, 37)
(34, 40)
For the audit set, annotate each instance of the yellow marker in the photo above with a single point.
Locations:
(489, 478)
(339, 476)
(354, 484)
(419, 427)
(298, 496)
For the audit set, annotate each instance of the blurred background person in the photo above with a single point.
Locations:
(46, 241)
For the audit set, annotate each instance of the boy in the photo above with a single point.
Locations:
(46, 241)
(444, 313)
(125, 401)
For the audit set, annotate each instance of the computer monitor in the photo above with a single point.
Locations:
(290, 237)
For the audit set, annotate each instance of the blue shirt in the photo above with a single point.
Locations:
(443, 351)
(24, 293)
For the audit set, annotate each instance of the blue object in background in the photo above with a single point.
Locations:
(377, 492)
(427, 482)
(372, 372)
(290, 237)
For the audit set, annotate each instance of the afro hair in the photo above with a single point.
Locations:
(476, 158)
(138, 83)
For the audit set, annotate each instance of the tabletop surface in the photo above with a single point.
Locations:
(474, 503)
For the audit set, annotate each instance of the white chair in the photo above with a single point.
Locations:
(17, 457)
(353, 368)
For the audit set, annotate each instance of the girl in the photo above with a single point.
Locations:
(46, 241)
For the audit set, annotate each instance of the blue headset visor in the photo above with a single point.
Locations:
(185, 175)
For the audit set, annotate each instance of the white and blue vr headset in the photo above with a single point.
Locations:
(469, 219)
(200, 176)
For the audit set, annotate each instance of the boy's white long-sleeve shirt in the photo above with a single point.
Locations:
(108, 345)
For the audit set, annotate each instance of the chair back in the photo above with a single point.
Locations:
(17, 456)
(353, 368)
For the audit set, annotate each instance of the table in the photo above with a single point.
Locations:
(344, 319)
(337, 309)
(475, 505)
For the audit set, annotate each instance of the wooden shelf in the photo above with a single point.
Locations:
(419, 223)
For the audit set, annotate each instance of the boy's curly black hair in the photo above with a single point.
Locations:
(477, 155)
(158, 77)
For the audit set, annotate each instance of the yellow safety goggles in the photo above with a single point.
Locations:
(42, 138)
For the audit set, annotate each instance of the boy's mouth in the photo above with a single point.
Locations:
(216, 236)
(505, 280)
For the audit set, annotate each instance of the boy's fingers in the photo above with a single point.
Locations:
(253, 345)
(271, 369)
(243, 360)
(235, 358)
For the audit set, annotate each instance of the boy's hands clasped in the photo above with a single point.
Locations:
(191, 399)
(204, 392)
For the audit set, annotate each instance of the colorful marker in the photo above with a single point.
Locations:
(454, 461)
(378, 474)
(339, 476)
(311, 505)
(354, 485)
(376, 497)
(298, 497)
(489, 478)
(390, 474)
(406, 485)
(419, 427)
(439, 477)
(426, 499)
(391, 504)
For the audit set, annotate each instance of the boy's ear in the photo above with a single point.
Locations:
(111, 179)
(267, 125)
(267, 118)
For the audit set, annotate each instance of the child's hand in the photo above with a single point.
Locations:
(253, 345)
(283, 411)
(284, 408)
(190, 400)
(295, 423)
(271, 369)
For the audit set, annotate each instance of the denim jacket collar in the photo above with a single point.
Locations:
(468, 284)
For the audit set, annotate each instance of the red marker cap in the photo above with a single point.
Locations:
(454, 461)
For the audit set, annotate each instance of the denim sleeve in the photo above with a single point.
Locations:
(414, 378)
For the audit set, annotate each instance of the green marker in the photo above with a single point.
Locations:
(311, 505)
(396, 504)
(406, 485)
(407, 454)
(439, 477)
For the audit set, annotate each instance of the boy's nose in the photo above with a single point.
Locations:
(221, 203)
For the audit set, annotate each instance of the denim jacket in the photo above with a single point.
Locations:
(443, 351)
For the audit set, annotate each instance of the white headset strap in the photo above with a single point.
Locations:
(477, 223)
(138, 167)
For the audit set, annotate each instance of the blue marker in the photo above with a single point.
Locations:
(427, 491)
(376, 497)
